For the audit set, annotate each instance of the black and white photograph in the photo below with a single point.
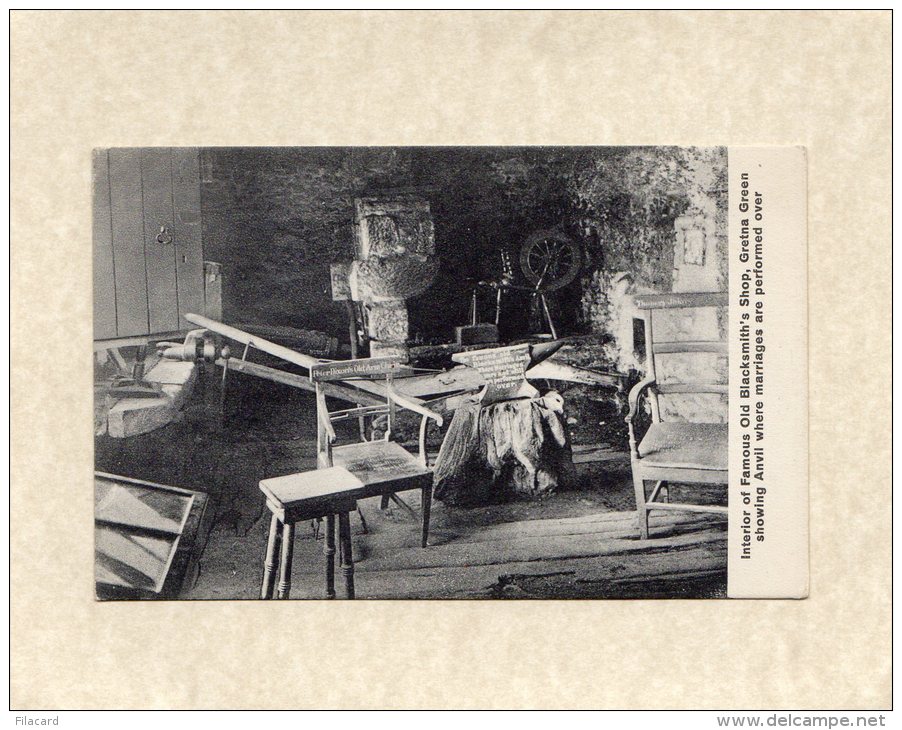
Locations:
(410, 372)
(460, 359)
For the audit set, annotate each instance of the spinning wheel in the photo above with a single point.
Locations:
(550, 260)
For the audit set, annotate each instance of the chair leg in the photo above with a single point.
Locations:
(641, 512)
(269, 563)
(329, 552)
(345, 551)
(427, 507)
(285, 562)
(401, 503)
(363, 525)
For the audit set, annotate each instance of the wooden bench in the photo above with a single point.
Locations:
(686, 453)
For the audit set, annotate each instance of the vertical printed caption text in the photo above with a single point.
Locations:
(752, 317)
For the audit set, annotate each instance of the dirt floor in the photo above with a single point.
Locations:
(543, 548)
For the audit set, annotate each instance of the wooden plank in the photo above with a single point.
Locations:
(682, 300)
(662, 559)
(127, 224)
(156, 179)
(185, 563)
(682, 472)
(665, 348)
(672, 388)
(292, 356)
(465, 555)
(585, 453)
(313, 342)
(607, 575)
(610, 525)
(104, 261)
(684, 507)
(264, 345)
(188, 236)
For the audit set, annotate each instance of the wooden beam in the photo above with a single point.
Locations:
(664, 348)
(682, 507)
(673, 388)
(287, 354)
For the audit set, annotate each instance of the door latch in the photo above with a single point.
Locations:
(164, 237)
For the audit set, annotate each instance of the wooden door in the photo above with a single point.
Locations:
(148, 257)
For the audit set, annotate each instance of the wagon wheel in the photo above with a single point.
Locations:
(550, 260)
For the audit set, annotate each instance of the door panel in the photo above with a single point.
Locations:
(141, 285)
(156, 178)
(104, 265)
(187, 231)
(126, 208)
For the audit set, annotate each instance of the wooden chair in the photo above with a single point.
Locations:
(686, 453)
(383, 466)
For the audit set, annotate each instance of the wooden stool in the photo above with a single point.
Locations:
(306, 496)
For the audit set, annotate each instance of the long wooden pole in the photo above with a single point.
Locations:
(245, 338)
(305, 361)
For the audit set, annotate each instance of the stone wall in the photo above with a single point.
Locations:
(649, 219)
(276, 218)
(670, 235)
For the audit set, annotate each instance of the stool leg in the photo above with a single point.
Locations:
(329, 552)
(347, 558)
(426, 504)
(285, 563)
(269, 563)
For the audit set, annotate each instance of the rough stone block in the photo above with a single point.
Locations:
(387, 321)
(134, 416)
(392, 227)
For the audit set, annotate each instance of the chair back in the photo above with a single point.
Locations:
(373, 368)
(655, 347)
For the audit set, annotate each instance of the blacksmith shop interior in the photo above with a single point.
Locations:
(386, 373)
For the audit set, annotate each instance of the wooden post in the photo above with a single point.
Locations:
(352, 332)
(650, 373)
